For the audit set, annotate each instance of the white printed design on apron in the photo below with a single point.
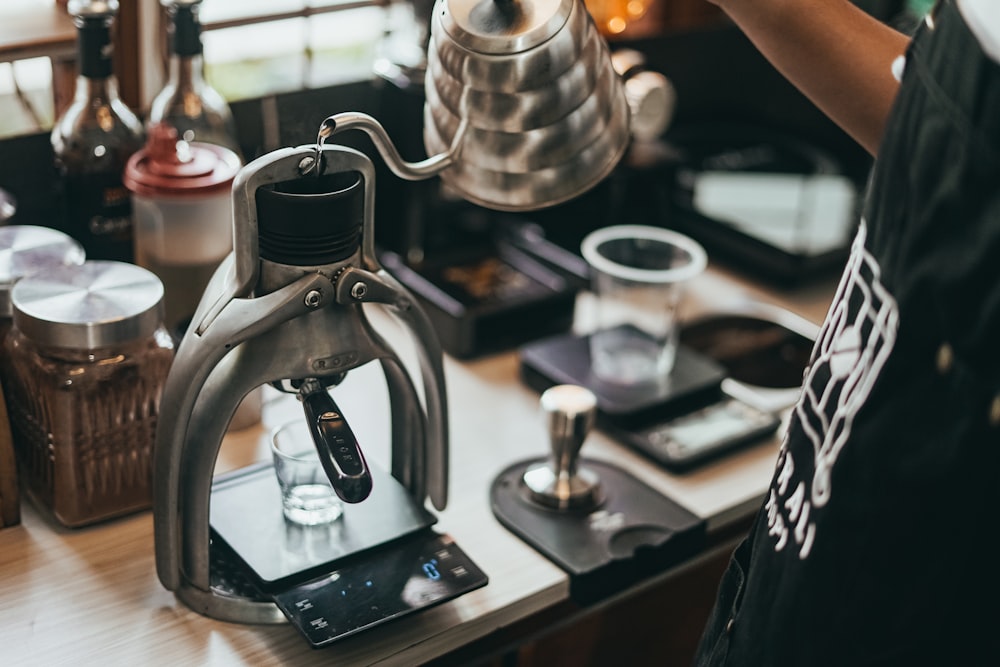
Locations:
(853, 346)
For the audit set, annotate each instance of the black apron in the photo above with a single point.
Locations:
(874, 545)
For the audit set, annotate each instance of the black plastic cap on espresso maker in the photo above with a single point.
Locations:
(311, 221)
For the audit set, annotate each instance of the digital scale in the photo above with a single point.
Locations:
(684, 421)
(379, 561)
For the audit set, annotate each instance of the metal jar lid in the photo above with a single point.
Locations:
(93, 305)
(27, 249)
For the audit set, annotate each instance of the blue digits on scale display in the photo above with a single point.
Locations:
(430, 569)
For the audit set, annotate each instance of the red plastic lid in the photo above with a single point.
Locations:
(168, 166)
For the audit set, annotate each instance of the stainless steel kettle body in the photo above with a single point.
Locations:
(287, 305)
(526, 93)
(525, 108)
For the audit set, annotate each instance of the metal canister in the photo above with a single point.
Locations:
(89, 355)
(24, 249)
(27, 249)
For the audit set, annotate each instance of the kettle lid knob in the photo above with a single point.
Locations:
(503, 26)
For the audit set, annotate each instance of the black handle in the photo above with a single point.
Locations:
(338, 448)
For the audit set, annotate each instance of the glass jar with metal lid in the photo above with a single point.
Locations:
(89, 356)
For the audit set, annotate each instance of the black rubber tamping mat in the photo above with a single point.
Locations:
(634, 533)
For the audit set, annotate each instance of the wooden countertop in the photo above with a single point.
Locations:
(92, 594)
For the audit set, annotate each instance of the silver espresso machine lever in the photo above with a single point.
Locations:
(287, 304)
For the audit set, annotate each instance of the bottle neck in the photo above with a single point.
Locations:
(186, 37)
(95, 48)
(186, 60)
(186, 72)
(104, 89)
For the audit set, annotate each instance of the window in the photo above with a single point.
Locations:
(252, 48)
(33, 33)
(26, 102)
(258, 47)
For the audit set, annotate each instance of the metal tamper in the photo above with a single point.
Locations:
(560, 482)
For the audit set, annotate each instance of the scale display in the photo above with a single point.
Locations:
(704, 433)
(417, 573)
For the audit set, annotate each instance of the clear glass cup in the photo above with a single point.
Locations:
(307, 497)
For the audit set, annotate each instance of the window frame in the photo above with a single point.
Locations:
(32, 29)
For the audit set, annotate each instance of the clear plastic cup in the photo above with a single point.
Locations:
(637, 275)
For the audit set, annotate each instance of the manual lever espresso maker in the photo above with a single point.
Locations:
(524, 110)
(287, 308)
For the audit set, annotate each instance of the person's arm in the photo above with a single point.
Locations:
(836, 54)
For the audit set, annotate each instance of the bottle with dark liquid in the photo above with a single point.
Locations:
(93, 140)
(188, 103)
